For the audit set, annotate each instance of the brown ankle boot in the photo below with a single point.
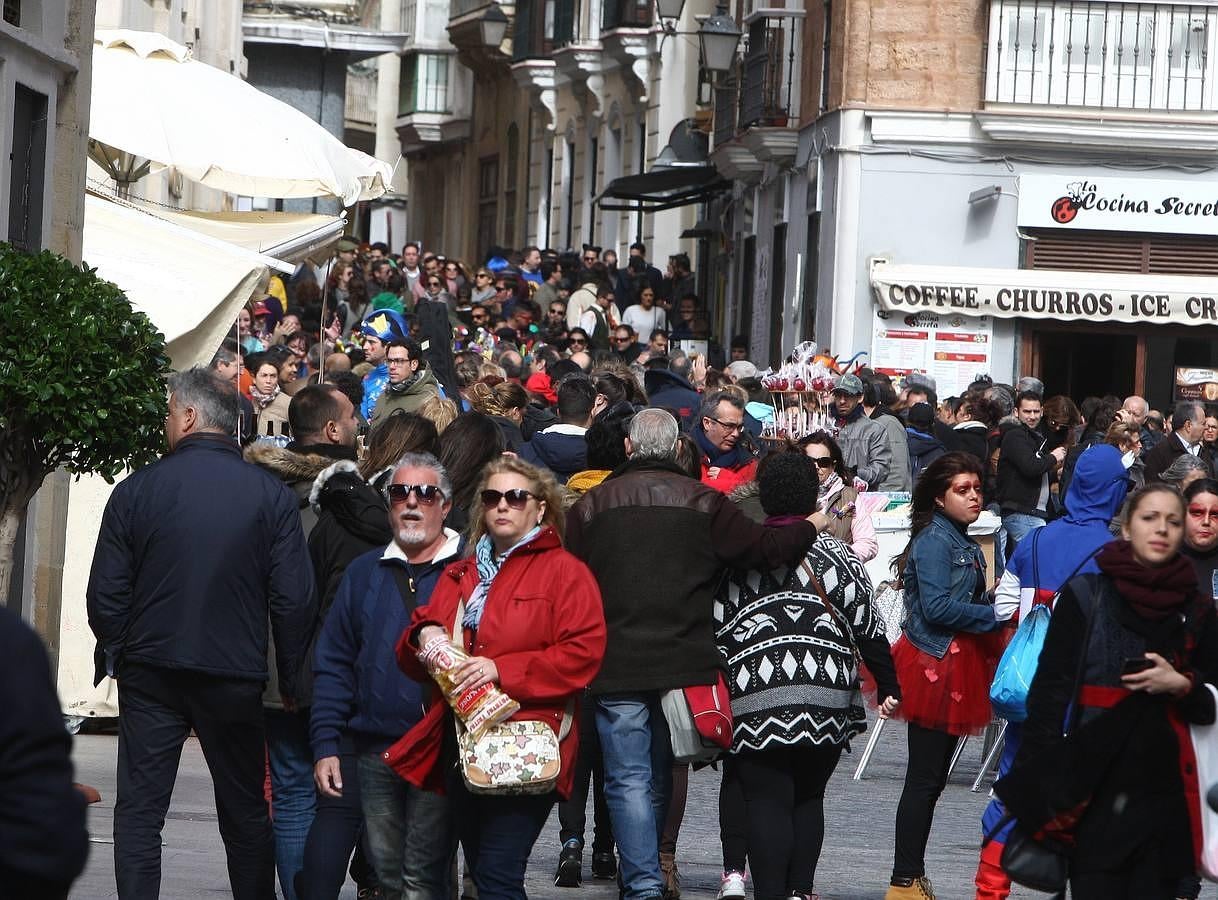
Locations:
(672, 878)
(910, 889)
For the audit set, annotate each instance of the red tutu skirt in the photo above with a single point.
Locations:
(950, 694)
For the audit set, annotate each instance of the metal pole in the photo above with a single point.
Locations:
(991, 757)
(869, 749)
(956, 756)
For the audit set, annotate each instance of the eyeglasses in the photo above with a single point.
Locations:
(500, 288)
(427, 494)
(623, 340)
(397, 360)
(516, 498)
(822, 462)
(727, 426)
(589, 259)
(433, 284)
(482, 275)
(577, 340)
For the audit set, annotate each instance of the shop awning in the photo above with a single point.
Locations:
(287, 238)
(663, 188)
(152, 105)
(189, 284)
(1046, 294)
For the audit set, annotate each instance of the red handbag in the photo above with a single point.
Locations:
(711, 708)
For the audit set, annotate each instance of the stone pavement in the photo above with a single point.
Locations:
(854, 864)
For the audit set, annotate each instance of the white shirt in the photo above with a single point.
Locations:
(645, 321)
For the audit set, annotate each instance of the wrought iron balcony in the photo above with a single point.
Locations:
(1113, 55)
(769, 90)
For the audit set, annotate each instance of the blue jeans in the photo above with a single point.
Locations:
(497, 835)
(409, 833)
(293, 795)
(638, 781)
(1018, 526)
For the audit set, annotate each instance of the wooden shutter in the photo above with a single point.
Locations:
(1110, 251)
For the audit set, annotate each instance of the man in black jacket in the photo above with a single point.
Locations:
(1187, 428)
(320, 461)
(650, 516)
(196, 553)
(1025, 472)
(43, 839)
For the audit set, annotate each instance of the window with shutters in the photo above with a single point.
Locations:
(1105, 251)
(27, 169)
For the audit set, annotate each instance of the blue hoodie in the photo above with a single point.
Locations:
(1094, 497)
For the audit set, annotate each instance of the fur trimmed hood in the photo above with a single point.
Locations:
(319, 483)
(287, 465)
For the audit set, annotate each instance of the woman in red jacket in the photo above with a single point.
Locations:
(533, 625)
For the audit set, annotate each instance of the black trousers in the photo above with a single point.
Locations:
(784, 796)
(930, 756)
(159, 707)
(572, 812)
(733, 822)
(337, 829)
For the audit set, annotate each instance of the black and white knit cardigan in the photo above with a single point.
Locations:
(791, 668)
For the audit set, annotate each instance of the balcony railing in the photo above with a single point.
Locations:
(1150, 56)
(533, 35)
(769, 92)
(626, 14)
(361, 94)
(727, 108)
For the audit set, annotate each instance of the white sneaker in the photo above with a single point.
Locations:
(731, 887)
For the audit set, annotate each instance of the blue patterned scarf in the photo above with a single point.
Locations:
(489, 565)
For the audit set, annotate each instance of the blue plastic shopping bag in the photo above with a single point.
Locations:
(1016, 669)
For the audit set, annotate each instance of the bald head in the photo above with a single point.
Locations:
(338, 362)
(1137, 408)
(583, 360)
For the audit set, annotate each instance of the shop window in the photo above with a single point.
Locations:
(27, 169)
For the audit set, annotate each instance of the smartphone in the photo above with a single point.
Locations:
(1135, 664)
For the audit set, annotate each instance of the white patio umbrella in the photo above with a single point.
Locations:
(150, 100)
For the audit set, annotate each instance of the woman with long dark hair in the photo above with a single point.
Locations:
(837, 497)
(946, 655)
(466, 446)
(1124, 666)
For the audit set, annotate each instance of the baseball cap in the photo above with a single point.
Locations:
(742, 368)
(917, 379)
(260, 308)
(347, 245)
(849, 384)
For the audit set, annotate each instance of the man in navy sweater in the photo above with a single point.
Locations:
(360, 696)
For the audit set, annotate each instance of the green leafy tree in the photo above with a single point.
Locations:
(82, 382)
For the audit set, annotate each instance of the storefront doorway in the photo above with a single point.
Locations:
(1083, 363)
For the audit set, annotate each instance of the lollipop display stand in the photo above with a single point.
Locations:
(801, 395)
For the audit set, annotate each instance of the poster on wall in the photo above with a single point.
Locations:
(1197, 384)
(953, 349)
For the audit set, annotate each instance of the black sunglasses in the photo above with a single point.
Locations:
(427, 494)
(516, 497)
(824, 462)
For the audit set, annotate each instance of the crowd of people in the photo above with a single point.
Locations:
(405, 453)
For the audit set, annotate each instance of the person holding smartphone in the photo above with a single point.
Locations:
(1125, 664)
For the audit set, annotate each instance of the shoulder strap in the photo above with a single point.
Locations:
(833, 611)
(1036, 561)
(406, 591)
(1086, 559)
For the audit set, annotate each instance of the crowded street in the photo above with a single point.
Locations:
(855, 856)
(618, 449)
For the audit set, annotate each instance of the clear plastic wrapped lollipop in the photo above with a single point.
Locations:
(480, 707)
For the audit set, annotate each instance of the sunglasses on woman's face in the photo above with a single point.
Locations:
(426, 494)
(579, 341)
(433, 284)
(823, 462)
(516, 498)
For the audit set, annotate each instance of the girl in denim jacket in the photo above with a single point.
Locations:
(946, 656)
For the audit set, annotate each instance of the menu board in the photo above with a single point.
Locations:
(1197, 384)
(952, 349)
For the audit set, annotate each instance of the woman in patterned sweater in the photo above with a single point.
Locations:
(789, 637)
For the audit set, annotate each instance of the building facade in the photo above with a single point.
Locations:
(45, 66)
(1041, 169)
(511, 143)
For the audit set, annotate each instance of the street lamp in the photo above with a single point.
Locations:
(670, 10)
(719, 38)
(494, 25)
